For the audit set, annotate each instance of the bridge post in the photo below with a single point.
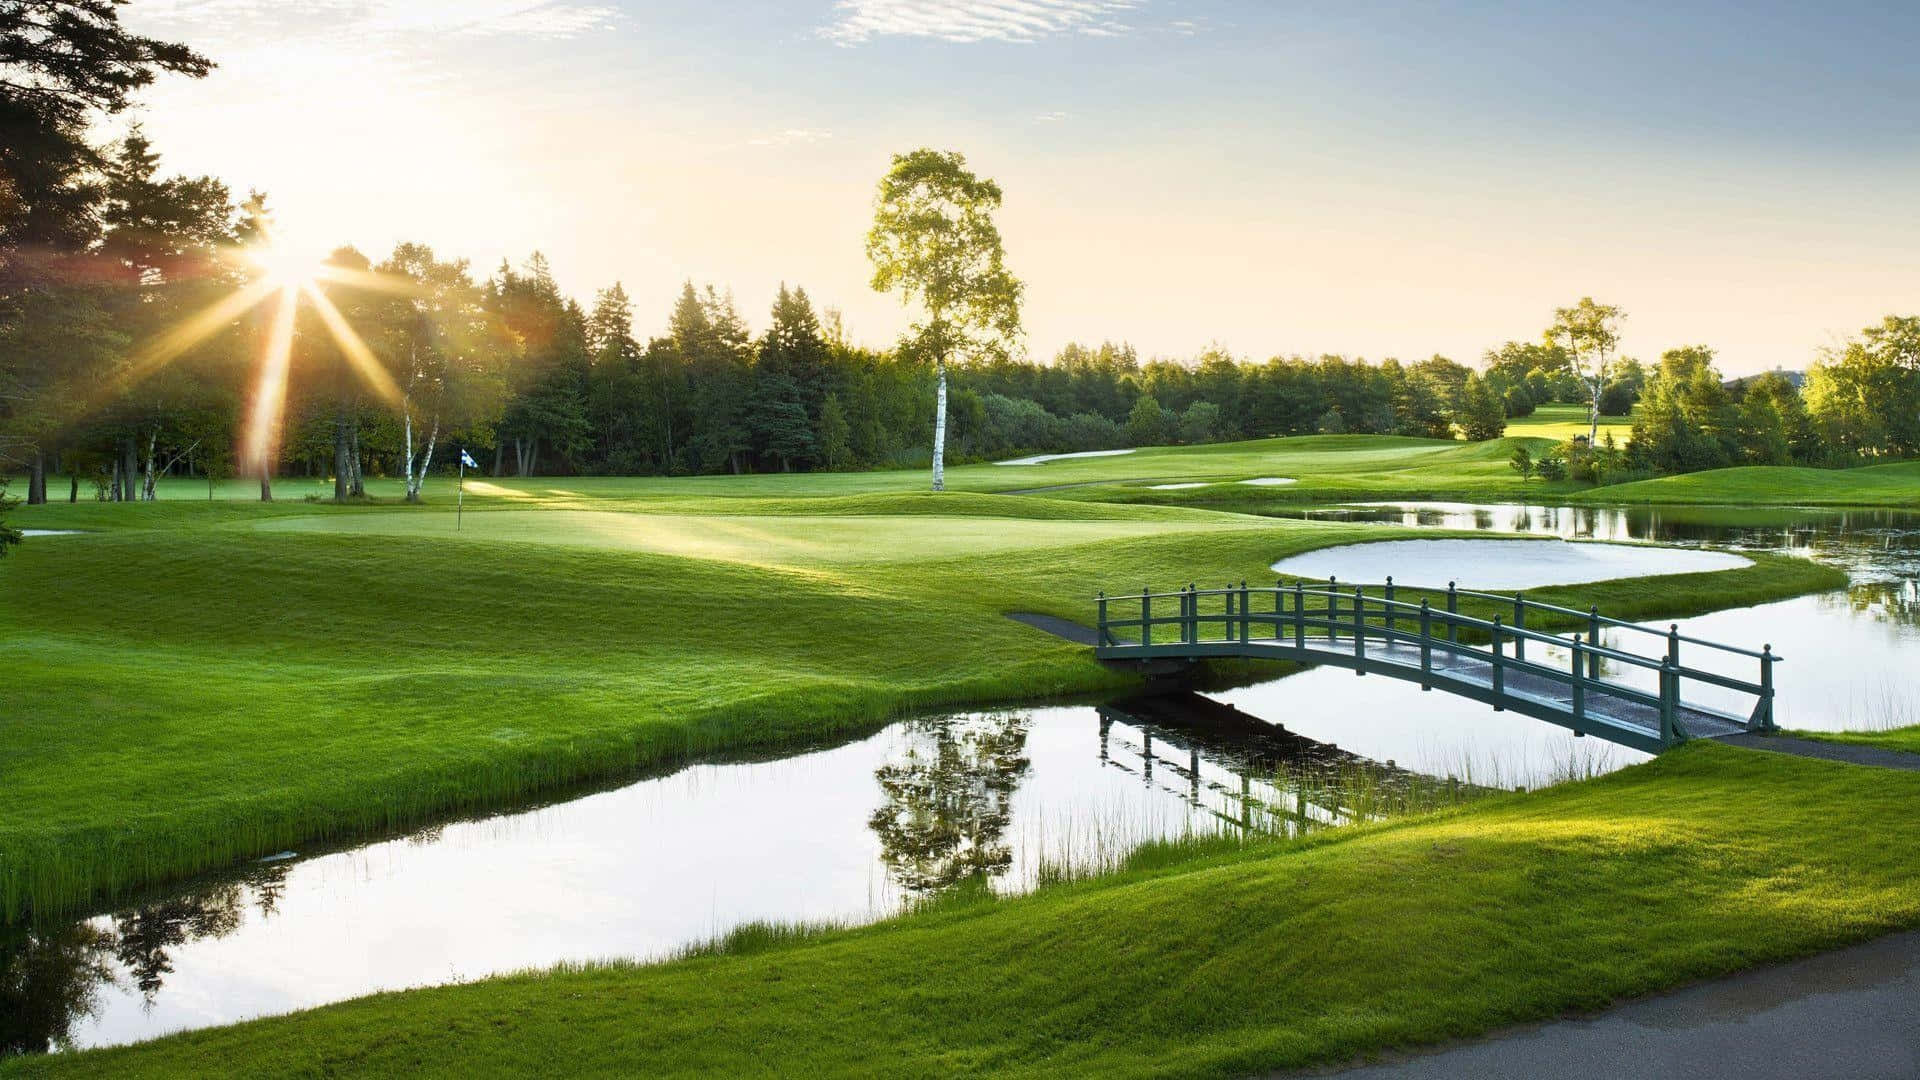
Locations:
(1392, 620)
(1226, 610)
(1764, 714)
(1279, 608)
(1333, 611)
(1359, 629)
(1453, 608)
(1499, 667)
(1579, 686)
(1426, 645)
(1673, 644)
(1146, 614)
(1519, 623)
(1299, 615)
(1193, 613)
(1103, 637)
(1669, 698)
(1593, 639)
(1246, 623)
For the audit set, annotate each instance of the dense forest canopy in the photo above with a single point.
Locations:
(148, 327)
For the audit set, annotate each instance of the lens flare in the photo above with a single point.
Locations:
(365, 364)
(268, 270)
(270, 393)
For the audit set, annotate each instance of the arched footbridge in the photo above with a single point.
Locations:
(1622, 681)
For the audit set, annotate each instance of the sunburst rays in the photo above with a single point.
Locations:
(290, 278)
(270, 391)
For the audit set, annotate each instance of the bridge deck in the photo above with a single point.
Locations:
(1589, 688)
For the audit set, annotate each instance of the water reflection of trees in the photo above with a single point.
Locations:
(48, 979)
(1887, 601)
(1253, 776)
(51, 976)
(949, 799)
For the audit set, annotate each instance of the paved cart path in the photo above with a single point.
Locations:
(1852, 1014)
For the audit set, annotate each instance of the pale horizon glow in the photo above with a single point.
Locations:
(1381, 179)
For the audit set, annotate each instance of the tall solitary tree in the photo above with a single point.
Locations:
(934, 240)
(1592, 333)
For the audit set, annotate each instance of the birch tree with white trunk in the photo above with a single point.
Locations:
(1592, 333)
(446, 351)
(934, 241)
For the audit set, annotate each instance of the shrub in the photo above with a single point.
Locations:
(1618, 398)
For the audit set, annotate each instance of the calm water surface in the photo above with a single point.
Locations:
(1853, 654)
(854, 831)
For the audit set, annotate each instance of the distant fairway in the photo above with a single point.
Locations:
(755, 540)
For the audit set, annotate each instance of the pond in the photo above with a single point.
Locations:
(854, 831)
(1500, 564)
(1849, 653)
(844, 833)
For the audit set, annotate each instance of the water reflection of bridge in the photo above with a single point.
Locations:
(1247, 773)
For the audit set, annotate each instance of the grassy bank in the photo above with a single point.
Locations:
(1906, 739)
(189, 685)
(1894, 485)
(1516, 909)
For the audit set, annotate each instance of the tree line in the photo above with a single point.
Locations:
(148, 328)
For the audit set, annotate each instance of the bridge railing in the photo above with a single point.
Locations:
(1288, 616)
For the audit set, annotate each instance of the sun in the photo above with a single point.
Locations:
(285, 267)
(286, 277)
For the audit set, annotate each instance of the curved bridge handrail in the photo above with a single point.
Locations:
(1592, 615)
(1344, 620)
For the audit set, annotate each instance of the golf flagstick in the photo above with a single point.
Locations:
(460, 499)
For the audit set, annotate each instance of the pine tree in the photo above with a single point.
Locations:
(836, 435)
(1483, 415)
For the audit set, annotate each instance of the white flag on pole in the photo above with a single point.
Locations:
(467, 460)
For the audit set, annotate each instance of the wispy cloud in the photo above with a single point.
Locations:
(1054, 117)
(791, 136)
(965, 21)
(384, 18)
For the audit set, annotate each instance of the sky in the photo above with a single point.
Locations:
(1288, 176)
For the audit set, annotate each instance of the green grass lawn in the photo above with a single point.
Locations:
(190, 684)
(1563, 422)
(1901, 738)
(1896, 485)
(1515, 909)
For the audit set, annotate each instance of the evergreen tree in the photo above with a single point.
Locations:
(1146, 424)
(789, 381)
(716, 351)
(1483, 415)
(835, 434)
(546, 408)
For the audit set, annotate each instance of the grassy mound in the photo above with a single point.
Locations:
(1516, 909)
(1897, 484)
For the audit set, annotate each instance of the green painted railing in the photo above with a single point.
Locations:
(1310, 623)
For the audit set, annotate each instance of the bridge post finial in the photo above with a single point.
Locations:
(1764, 712)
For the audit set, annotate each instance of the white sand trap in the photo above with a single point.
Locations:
(1271, 481)
(1181, 487)
(1501, 564)
(1042, 459)
(49, 532)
